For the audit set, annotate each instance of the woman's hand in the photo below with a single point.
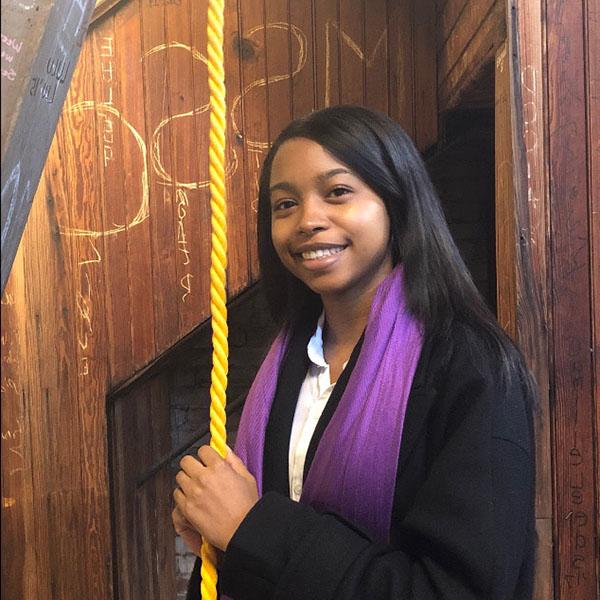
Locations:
(213, 497)
(183, 528)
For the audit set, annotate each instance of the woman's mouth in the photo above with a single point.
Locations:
(321, 253)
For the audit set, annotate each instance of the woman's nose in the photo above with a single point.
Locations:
(312, 217)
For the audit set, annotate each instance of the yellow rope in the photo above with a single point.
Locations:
(218, 262)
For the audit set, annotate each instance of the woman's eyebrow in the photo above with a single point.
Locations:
(321, 178)
(328, 174)
(285, 186)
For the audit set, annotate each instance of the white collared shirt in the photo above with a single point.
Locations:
(313, 397)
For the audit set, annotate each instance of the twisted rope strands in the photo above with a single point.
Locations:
(218, 259)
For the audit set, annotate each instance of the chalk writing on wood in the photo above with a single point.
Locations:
(109, 112)
(13, 438)
(165, 178)
(13, 459)
(182, 243)
(578, 568)
(142, 213)
(351, 43)
(107, 71)
(84, 310)
(300, 38)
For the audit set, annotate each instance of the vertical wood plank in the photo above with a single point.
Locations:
(162, 193)
(189, 166)
(88, 330)
(529, 103)
(536, 340)
(91, 341)
(106, 107)
(279, 71)
(376, 55)
(303, 57)
(17, 513)
(592, 50)
(52, 398)
(135, 183)
(327, 52)
(575, 511)
(426, 116)
(352, 65)
(163, 484)
(238, 274)
(254, 104)
(506, 256)
(401, 65)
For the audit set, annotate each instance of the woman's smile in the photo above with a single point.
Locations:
(316, 257)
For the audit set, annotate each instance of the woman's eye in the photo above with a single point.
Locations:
(338, 191)
(283, 204)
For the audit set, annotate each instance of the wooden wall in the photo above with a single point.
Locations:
(573, 139)
(468, 35)
(113, 266)
(549, 177)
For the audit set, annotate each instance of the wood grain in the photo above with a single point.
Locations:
(506, 237)
(376, 56)
(426, 117)
(449, 15)
(303, 58)
(254, 106)
(17, 505)
(401, 64)
(327, 52)
(162, 193)
(239, 251)
(471, 19)
(592, 49)
(478, 36)
(353, 61)
(189, 152)
(575, 511)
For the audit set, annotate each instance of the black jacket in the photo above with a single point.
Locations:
(463, 514)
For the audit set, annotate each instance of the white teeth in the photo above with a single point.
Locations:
(321, 253)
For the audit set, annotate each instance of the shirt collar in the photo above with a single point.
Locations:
(315, 344)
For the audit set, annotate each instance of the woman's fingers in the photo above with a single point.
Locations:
(187, 532)
(208, 457)
(191, 466)
(236, 463)
(184, 481)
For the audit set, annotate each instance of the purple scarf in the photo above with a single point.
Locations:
(353, 472)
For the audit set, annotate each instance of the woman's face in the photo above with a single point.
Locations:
(328, 227)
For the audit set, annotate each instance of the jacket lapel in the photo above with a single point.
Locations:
(279, 427)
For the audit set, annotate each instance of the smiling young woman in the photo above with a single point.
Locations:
(386, 446)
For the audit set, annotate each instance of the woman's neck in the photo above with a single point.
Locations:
(344, 323)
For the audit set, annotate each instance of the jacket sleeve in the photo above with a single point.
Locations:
(463, 537)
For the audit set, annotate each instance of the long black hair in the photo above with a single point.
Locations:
(439, 287)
